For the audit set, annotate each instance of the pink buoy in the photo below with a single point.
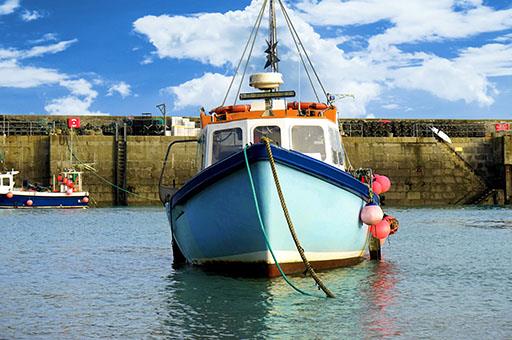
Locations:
(29, 203)
(9, 195)
(381, 230)
(376, 188)
(384, 182)
(85, 199)
(371, 214)
(69, 191)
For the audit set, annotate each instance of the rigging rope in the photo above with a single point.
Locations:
(243, 54)
(291, 27)
(258, 23)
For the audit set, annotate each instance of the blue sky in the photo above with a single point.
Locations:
(400, 59)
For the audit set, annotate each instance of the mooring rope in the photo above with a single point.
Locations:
(308, 266)
(262, 226)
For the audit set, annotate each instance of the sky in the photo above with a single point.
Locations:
(449, 59)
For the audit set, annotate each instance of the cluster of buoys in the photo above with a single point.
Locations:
(372, 214)
(68, 183)
(381, 184)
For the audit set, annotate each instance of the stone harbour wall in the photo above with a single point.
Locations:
(423, 171)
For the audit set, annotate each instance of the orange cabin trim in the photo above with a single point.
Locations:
(239, 112)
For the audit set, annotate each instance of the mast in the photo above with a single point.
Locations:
(272, 59)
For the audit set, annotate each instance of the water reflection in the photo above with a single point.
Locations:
(198, 304)
(380, 320)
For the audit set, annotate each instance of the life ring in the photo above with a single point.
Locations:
(231, 109)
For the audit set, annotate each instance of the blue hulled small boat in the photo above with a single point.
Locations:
(66, 192)
(230, 217)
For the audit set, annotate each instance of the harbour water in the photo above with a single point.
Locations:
(106, 273)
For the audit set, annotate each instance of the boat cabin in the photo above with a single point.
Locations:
(7, 181)
(315, 137)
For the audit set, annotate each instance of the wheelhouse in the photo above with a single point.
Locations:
(315, 137)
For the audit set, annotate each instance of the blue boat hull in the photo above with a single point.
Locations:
(43, 200)
(217, 224)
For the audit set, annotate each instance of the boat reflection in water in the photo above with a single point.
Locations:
(199, 304)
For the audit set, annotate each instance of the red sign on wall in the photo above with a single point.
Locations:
(73, 123)
(502, 126)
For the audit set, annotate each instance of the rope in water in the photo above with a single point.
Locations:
(309, 269)
(262, 226)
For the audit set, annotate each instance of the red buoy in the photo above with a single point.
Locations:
(29, 203)
(65, 181)
(59, 178)
(71, 184)
(376, 188)
(384, 182)
(9, 195)
(85, 199)
(381, 230)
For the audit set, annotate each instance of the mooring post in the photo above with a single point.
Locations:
(375, 253)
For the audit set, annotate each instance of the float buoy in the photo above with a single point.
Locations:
(384, 182)
(59, 178)
(85, 199)
(9, 195)
(29, 203)
(381, 230)
(371, 214)
(376, 187)
(69, 192)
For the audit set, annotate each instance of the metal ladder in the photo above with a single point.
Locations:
(120, 165)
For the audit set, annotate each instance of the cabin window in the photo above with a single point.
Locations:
(309, 140)
(5, 182)
(271, 132)
(226, 143)
(336, 147)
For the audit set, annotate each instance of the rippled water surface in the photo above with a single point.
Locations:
(107, 273)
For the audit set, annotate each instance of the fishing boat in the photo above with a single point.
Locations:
(65, 192)
(272, 191)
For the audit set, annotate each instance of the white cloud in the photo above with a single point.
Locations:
(45, 38)
(36, 51)
(30, 15)
(78, 103)
(411, 20)
(446, 79)
(492, 60)
(207, 91)
(9, 6)
(211, 38)
(390, 106)
(14, 75)
(122, 88)
(71, 105)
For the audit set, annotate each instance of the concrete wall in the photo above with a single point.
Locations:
(423, 171)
